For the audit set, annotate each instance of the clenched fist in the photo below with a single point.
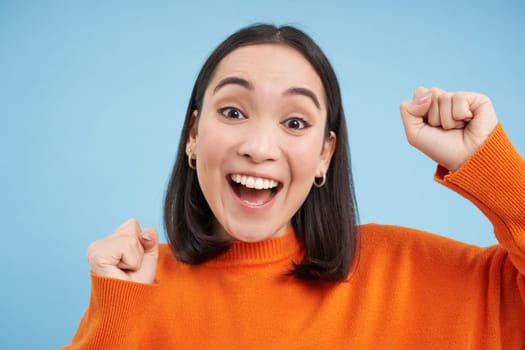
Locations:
(448, 126)
(128, 254)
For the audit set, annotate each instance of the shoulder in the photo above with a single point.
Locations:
(396, 242)
(379, 234)
(374, 233)
(167, 260)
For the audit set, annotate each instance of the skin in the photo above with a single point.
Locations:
(271, 125)
(446, 126)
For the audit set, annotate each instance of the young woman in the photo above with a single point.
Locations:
(264, 248)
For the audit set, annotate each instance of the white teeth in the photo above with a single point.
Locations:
(254, 182)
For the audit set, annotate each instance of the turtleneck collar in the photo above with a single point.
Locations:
(263, 252)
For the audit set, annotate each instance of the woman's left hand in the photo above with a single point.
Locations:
(448, 126)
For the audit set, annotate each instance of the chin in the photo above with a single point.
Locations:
(250, 237)
(254, 233)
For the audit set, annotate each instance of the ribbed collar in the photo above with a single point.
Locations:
(263, 252)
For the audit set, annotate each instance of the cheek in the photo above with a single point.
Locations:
(304, 160)
(211, 150)
(211, 146)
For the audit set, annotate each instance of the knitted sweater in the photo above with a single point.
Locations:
(406, 289)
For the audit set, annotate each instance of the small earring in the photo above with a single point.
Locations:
(191, 164)
(320, 184)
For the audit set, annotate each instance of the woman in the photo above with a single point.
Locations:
(264, 249)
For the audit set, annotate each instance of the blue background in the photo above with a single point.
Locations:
(92, 96)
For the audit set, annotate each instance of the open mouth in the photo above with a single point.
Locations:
(254, 191)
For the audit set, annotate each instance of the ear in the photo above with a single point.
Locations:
(326, 154)
(192, 134)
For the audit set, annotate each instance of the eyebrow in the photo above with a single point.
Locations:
(289, 92)
(303, 92)
(233, 81)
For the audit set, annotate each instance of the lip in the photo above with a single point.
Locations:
(246, 205)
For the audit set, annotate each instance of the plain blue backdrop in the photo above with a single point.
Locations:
(92, 96)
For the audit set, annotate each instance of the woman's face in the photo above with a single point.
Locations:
(259, 140)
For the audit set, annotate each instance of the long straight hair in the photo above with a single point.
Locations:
(326, 223)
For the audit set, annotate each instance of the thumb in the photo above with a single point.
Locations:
(150, 243)
(149, 240)
(413, 113)
(418, 107)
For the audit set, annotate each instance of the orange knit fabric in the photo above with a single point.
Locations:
(407, 289)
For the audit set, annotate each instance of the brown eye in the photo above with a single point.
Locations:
(296, 123)
(231, 113)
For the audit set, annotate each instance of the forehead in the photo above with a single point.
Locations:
(277, 65)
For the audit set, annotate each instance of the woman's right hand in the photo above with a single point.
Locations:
(128, 254)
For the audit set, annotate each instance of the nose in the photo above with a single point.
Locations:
(260, 143)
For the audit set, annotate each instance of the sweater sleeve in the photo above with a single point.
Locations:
(114, 317)
(494, 180)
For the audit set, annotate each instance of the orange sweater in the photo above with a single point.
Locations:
(407, 289)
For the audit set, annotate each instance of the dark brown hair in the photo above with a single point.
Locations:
(326, 223)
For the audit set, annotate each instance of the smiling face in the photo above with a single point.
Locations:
(259, 140)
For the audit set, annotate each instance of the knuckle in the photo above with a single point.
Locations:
(460, 95)
(129, 227)
(444, 97)
(436, 92)
(420, 90)
(91, 249)
(94, 258)
(133, 222)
